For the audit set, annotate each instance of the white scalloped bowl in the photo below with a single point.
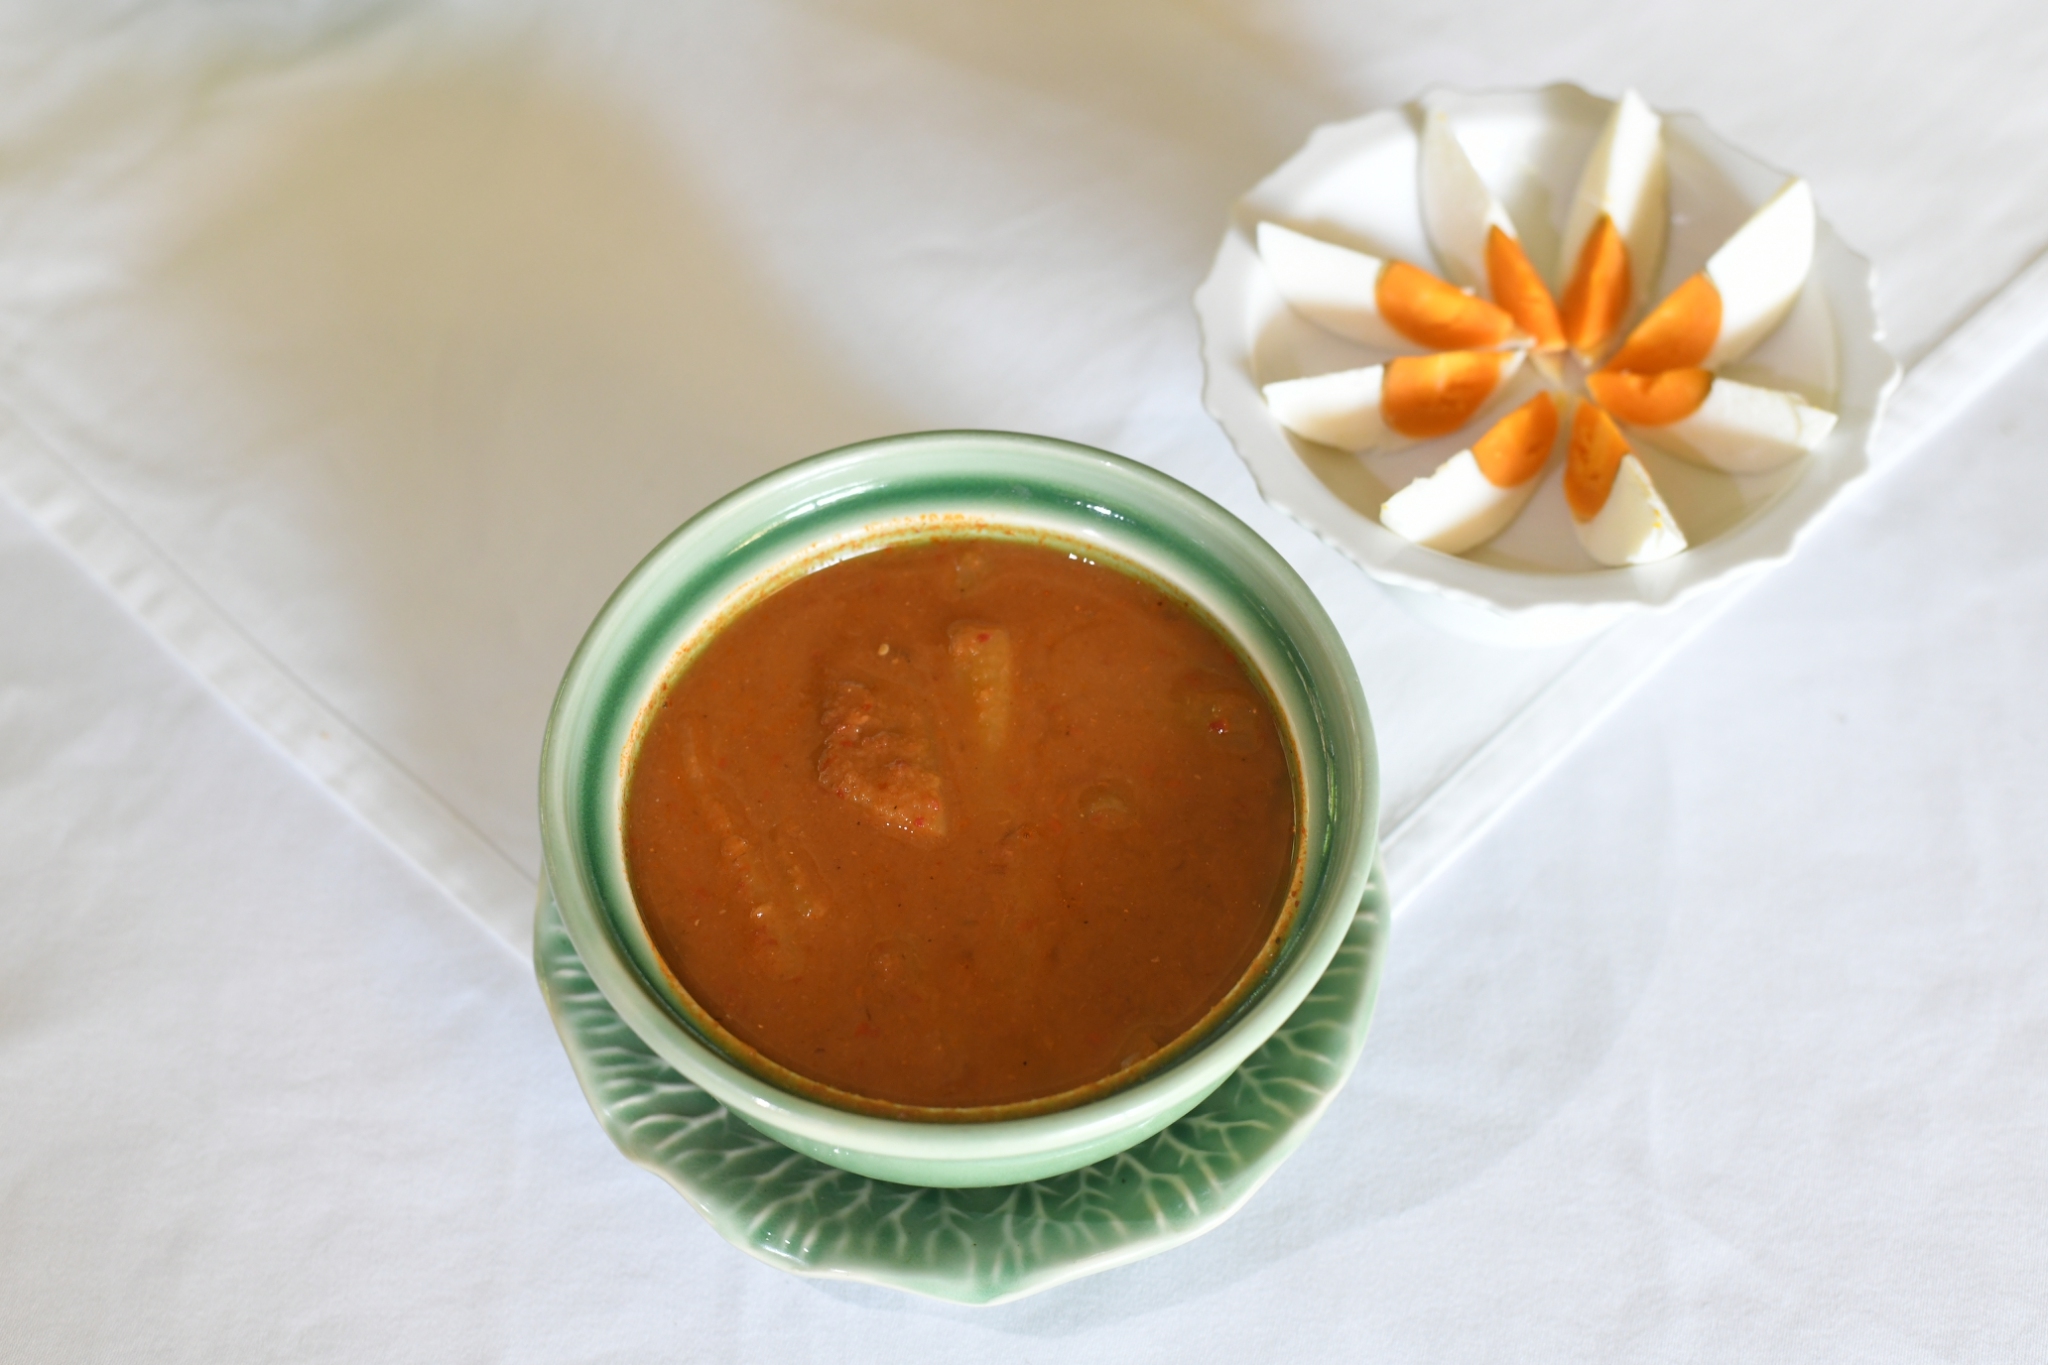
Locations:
(1356, 182)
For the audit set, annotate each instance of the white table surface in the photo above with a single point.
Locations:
(1728, 1041)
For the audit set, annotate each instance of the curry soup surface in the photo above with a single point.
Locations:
(961, 823)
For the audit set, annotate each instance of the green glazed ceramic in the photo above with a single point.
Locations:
(970, 1246)
(846, 502)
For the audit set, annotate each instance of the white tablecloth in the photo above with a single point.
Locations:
(1730, 1039)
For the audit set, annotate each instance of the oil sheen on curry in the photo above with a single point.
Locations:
(962, 823)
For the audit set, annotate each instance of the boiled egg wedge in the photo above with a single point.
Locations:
(1614, 234)
(1615, 508)
(1472, 496)
(1381, 407)
(1387, 304)
(1475, 240)
(1713, 420)
(1747, 287)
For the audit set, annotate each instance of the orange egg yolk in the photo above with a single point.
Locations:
(1679, 332)
(1432, 313)
(1650, 400)
(1597, 296)
(1520, 290)
(1434, 395)
(1593, 461)
(1514, 450)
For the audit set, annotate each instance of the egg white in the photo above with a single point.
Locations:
(1341, 409)
(1743, 429)
(1332, 286)
(1456, 507)
(1760, 270)
(1634, 527)
(1458, 210)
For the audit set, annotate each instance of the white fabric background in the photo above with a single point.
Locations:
(364, 348)
(1730, 1040)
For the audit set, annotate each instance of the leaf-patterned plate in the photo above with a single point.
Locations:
(978, 1246)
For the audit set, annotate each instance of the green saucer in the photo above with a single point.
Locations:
(977, 1246)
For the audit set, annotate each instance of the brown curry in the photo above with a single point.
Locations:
(962, 823)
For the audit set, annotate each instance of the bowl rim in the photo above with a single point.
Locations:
(1868, 374)
(777, 520)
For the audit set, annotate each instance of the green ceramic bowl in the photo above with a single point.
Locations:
(848, 501)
